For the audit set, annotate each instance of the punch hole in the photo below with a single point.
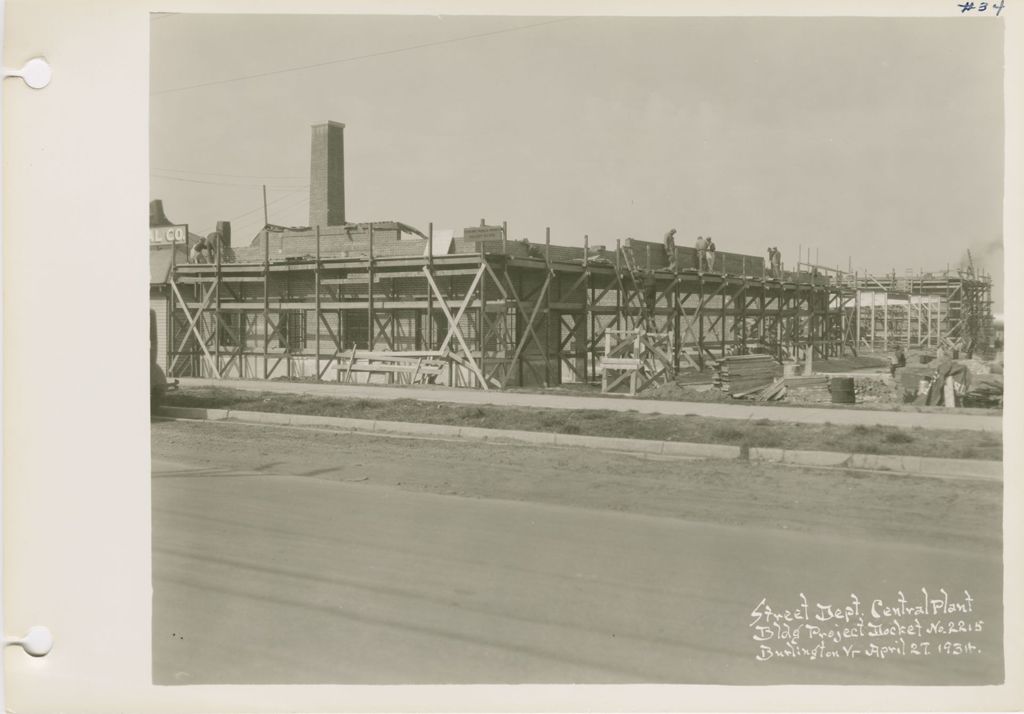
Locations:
(36, 73)
(37, 641)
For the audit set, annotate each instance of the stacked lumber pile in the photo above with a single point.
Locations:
(741, 373)
(805, 390)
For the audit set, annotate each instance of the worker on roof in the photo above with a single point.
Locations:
(709, 250)
(200, 252)
(670, 248)
(212, 246)
(700, 246)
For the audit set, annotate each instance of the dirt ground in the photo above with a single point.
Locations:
(961, 444)
(960, 515)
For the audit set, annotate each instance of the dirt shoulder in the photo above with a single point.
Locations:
(963, 515)
(956, 444)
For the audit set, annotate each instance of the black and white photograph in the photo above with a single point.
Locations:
(577, 349)
(525, 357)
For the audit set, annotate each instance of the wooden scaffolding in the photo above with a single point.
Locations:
(498, 317)
(951, 310)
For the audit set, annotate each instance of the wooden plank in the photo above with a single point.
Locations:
(394, 369)
(409, 355)
(419, 274)
(211, 278)
(620, 363)
(361, 280)
(351, 361)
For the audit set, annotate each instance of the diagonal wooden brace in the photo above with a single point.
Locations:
(454, 327)
(529, 325)
(466, 302)
(192, 328)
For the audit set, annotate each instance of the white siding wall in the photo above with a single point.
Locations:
(158, 304)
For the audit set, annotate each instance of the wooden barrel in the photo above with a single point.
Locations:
(842, 390)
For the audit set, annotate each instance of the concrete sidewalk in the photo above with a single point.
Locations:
(646, 448)
(799, 415)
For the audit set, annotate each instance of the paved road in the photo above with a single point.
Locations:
(263, 576)
(800, 415)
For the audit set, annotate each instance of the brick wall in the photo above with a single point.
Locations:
(352, 242)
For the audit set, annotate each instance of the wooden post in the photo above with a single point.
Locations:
(700, 321)
(909, 303)
(316, 281)
(216, 313)
(547, 319)
(588, 307)
(619, 318)
(482, 332)
(725, 301)
(266, 219)
(676, 337)
(856, 308)
(170, 339)
(430, 293)
(266, 302)
(778, 320)
(371, 337)
(885, 322)
(504, 237)
(742, 308)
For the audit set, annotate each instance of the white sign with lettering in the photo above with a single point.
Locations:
(167, 234)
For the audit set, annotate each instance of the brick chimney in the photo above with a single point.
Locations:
(224, 228)
(327, 175)
(157, 217)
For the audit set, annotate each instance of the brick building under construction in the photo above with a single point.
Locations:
(386, 301)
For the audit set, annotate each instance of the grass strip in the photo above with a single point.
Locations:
(862, 439)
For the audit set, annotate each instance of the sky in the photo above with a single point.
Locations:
(875, 143)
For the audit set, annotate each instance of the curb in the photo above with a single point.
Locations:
(916, 465)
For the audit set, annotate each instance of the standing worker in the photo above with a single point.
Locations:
(777, 263)
(700, 246)
(771, 262)
(670, 248)
(897, 360)
(710, 248)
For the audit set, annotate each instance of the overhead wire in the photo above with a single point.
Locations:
(271, 203)
(343, 60)
(215, 173)
(300, 196)
(225, 183)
